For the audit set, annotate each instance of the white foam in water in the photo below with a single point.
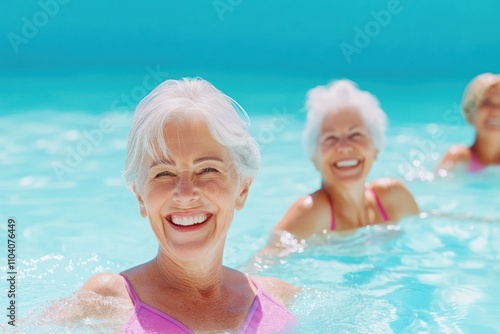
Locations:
(430, 274)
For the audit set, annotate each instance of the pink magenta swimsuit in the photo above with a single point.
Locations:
(474, 166)
(265, 316)
(379, 204)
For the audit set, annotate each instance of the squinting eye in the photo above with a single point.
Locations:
(356, 134)
(209, 170)
(329, 139)
(165, 173)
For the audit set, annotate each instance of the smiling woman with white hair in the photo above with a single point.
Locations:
(343, 136)
(190, 163)
(481, 108)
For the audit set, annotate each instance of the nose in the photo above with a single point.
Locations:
(343, 145)
(186, 191)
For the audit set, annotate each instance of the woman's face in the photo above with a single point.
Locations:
(487, 118)
(190, 196)
(345, 150)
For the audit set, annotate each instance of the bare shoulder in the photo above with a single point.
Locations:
(396, 198)
(301, 209)
(454, 156)
(106, 285)
(283, 292)
(303, 216)
(387, 185)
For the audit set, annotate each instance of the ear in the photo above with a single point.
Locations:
(142, 207)
(243, 194)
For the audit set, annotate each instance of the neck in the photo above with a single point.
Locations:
(487, 149)
(349, 203)
(199, 278)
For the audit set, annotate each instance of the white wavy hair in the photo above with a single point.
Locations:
(334, 97)
(173, 101)
(474, 92)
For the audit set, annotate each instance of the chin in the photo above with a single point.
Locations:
(189, 250)
(190, 253)
(350, 181)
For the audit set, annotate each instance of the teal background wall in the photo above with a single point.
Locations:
(423, 40)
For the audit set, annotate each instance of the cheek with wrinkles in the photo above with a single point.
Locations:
(157, 227)
(480, 119)
(361, 141)
(161, 188)
(215, 187)
(224, 222)
(155, 194)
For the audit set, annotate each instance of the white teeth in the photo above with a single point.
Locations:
(347, 163)
(188, 221)
(495, 122)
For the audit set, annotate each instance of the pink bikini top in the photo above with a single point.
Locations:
(379, 204)
(474, 165)
(265, 316)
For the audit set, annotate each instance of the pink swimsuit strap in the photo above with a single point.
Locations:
(332, 213)
(265, 316)
(383, 213)
(380, 206)
(146, 319)
(474, 165)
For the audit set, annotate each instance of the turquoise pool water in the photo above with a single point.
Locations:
(61, 155)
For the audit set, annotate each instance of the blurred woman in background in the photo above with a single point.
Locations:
(481, 108)
(343, 136)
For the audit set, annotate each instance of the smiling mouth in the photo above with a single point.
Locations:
(494, 122)
(347, 163)
(188, 221)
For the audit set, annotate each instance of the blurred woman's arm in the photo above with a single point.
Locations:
(456, 155)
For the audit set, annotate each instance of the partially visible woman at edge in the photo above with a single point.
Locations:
(481, 109)
(190, 162)
(344, 133)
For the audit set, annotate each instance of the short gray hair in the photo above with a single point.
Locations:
(475, 90)
(172, 101)
(335, 96)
